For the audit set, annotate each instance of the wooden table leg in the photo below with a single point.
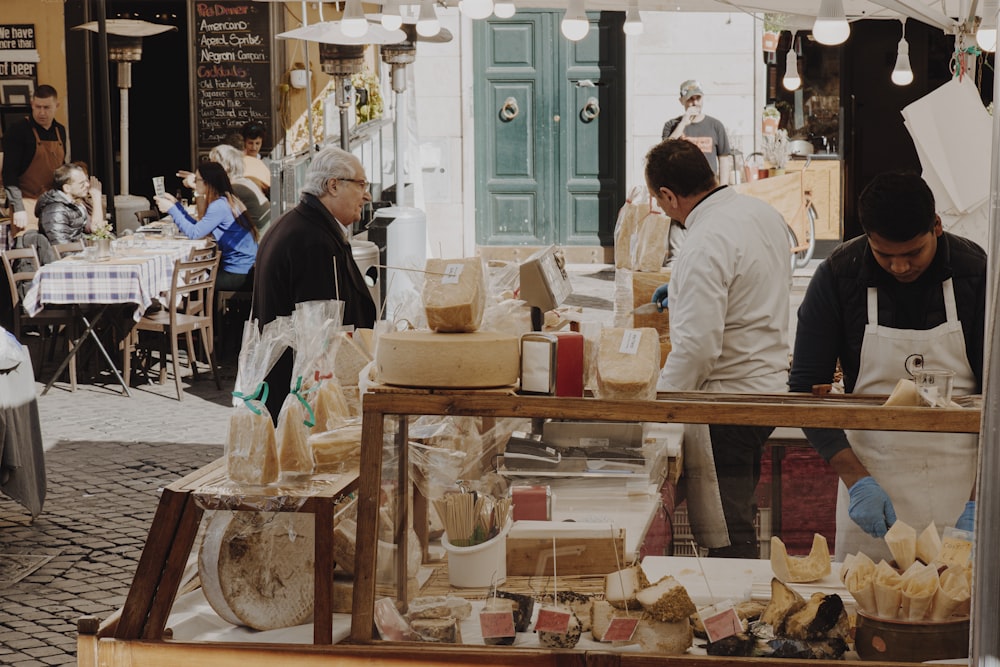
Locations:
(170, 581)
(323, 604)
(369, 491)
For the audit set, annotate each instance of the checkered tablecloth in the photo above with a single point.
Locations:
(133, 275)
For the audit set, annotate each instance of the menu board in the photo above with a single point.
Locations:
(232, 68)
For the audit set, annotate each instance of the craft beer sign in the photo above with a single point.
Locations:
(18, 63)
(232, 70)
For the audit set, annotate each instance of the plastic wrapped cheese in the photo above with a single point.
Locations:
(330, 407)
(628, 363)
(454, 294)
(294, 454)
(251, 450)
(476, 360)
(335, 450)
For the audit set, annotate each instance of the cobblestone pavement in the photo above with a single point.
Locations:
(107, 457)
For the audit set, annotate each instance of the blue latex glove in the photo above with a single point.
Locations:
(968, 519)
(870, 507)
(660, 297)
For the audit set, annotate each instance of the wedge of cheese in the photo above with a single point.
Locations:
(800, 569)
(454, 294)
(349, 360)
(667, 601)
(338, 449)
(477, 360)
(628, 363)
(251, 450)
(294, 454)
(330, 408)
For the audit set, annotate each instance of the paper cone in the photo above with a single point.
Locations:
(902, 542)
(928, 544)
(863, 594)
(886, 584)
(918, 593)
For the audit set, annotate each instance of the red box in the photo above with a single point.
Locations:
(531, 503)
(552, 363)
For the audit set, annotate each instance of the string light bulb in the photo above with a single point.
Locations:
(902, 74)
(428, 24)
(353, 23)
(575, 25)
(831, 27)
(633, 22)
(986, 34)
(391, 18)
(476, 9)
(504, 9)
(791, 80)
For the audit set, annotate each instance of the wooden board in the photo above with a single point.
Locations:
(574, 556)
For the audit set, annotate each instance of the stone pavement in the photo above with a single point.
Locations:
(107, 457)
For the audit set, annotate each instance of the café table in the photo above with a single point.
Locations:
(134, 275)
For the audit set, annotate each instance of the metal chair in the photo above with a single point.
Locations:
(20, 265)
(193, 281)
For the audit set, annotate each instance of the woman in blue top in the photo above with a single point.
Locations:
(221, 214)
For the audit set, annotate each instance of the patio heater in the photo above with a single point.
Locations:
(125, 47)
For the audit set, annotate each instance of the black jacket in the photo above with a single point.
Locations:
(295, 263)
(833, 314)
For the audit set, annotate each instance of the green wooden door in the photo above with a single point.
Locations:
(549, 130)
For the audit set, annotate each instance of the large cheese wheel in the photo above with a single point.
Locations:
(257, 569)
(476, 360)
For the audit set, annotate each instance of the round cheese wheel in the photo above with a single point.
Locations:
(476, 360)
(256, 569)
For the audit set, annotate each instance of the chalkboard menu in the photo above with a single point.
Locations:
(232, 71)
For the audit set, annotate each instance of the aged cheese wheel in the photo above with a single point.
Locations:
(476, 360)
(454, 294)
(256, 569)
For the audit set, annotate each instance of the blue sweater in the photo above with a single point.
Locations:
(238, 248)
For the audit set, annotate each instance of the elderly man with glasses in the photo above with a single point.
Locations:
(306, 255)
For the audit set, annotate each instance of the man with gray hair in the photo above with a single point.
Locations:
(306, 255)
(257, 203)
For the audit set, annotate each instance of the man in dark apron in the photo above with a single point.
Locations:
(905, 290)
(32, 149)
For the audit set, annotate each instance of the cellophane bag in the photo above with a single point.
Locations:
(315, 324)
(628, 364)
(251, 451)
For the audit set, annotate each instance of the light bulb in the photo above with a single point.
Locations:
(476, 9)
(353, 23)
(902, 75)
(575, 25)
(428, 24)
(831, 25)
(391, 18)
(791, 80)
(633, 22)
(504, 10)
(986, 35)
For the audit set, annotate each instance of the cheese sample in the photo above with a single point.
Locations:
(349, 360)
(251, 451)
(567, 639)
(330, 406)
(667, 601)
(454, 294)
(477, 360)
(800, 569)
(620, 587)
(445, 630)
(258, 571)
(652, 635)
(628, 363)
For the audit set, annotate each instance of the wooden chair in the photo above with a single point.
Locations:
(63, 249)
(194, 281)
(147, 216)
(66, 318)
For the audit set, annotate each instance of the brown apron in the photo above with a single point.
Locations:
(37, 178)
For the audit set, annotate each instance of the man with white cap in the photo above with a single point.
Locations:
(705, 132)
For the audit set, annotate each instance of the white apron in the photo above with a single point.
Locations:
(928, 476)
(700, 480)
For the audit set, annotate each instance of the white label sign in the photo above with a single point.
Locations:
(630, 341)
(451, 274)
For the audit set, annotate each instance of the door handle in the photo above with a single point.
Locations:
(509, 110)
(590, 110)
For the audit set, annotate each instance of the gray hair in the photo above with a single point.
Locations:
(331, 162)
(230, 158)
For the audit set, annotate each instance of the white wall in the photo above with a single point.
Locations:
(720, 50)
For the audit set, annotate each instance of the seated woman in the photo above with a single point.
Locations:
(219, 213)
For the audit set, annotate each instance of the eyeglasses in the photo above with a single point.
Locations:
(360, 181)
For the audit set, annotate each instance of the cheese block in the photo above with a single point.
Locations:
(667, 601)
(578, 603)
(330, 406)
(628, 363)
(621, 587)
(445, 630)
(251, 451)
(504, 606)
(567, 639)
(454, 294)
(343, 593)
(800, 569)
(478, 360)
(652, 635)
(439, 606)
(338, 449)
(349, 360)
(294, 454)
(257, 570)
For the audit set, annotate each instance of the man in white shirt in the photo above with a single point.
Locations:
(729, 299)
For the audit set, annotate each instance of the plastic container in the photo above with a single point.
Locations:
(909, 641)
(478, 566)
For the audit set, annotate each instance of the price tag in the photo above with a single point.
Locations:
(552, 620)
(451, 274)
(720, 621)
(621, 630)
(954, 551)
(630, 341)
(497, 624)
